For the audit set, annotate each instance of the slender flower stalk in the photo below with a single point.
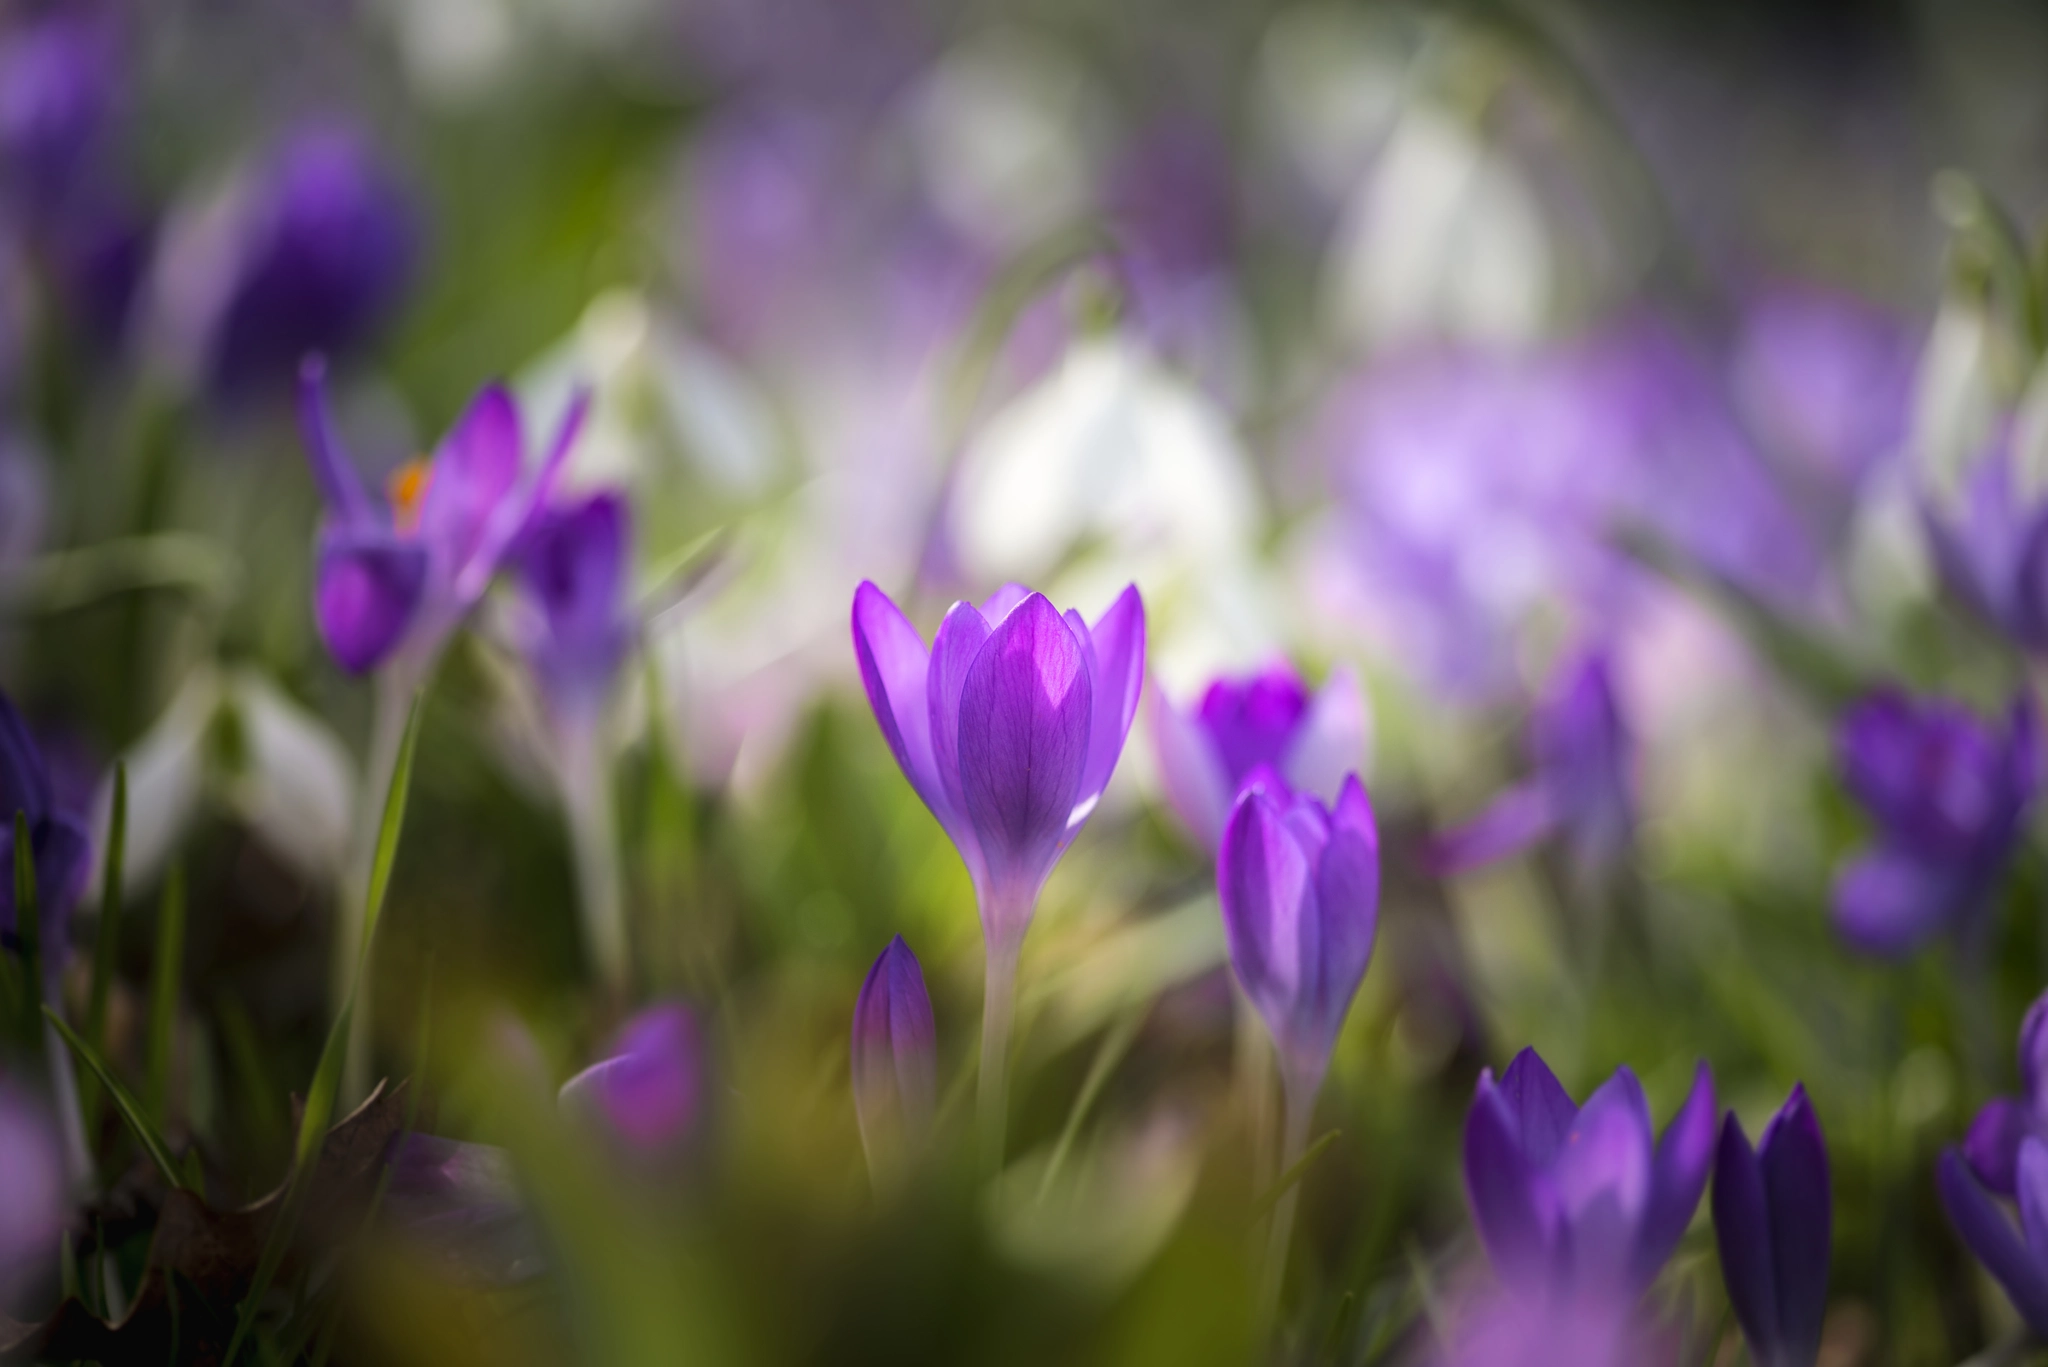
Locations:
(1008, 726)
(393, 580)
(1300, 888)
(895, 1087)
(1773, 1221)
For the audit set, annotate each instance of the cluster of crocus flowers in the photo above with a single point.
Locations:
(2006, 1155)
(1579, 786)
(1948, 794)
(1008, 726)
(1269, 719)
(895, 1048)
(1774, 1223)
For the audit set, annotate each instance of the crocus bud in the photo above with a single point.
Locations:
(402, 572)
(1773, 1220)
(1009, 727)
(1579, 787)
(2016, 1258)
(649, 1093)
(1992, 1147)
(1300, 887)
(1948, 795)
(1577, 1197)
(60, 848)
(574, 568)
(1270, 718)
(894, 1047)
(31, 1193)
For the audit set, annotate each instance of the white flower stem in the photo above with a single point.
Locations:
(1300, 1103)
(593, 840)
(999, 1004)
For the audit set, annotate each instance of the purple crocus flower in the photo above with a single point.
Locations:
(649, 1092)
(1948, 795)
(60, 847)
(1580, 785)
(574, 563)
(310, 250)
(2017, 1259)
(1300, 887)
(32, 1183)
(894, 1054)
(1774, 1221)
(59, 81)
(1270, 718)
(1990, 545)
(1513, 1327)
(1009, 727)
(401, 575)
(1579, 1197)
(1992, 1147)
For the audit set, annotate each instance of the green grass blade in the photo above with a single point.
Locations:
(163, 993)
(124, 1101)
(265, 1119)
(106, 944)
(1271, 1196)
(389, 827)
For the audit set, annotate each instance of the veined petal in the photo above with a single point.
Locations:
(1540, 1110)
(960, 638)
(1265, 882)
(474, 472)
(1603, 1175)
(1024, 716)
(1742, 1231)
(1685, 1155)
(367, 589)
(1993, 1239)
(1116, 647)
(1347, 903)
(1512, 1207)
(1887, 902)
(1003, 602)
(1794, 1159)
(893, 667)
(340, 487)
(1190, 775)
(894, 1049)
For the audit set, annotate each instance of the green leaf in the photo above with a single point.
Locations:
(163, 993)
(106, 944)
(388, 828)
(1271, 1196)
(124, 1101)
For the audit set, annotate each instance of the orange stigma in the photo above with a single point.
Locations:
(407, 488)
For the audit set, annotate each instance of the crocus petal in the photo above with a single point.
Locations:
(649, 1093)
(1540, 1110)
(1509, 824)
(1265, 882)
(1255, 721)
(2031, 1183)
(1333, 739)
(1887, 902)
(1511, 1205)
(1603, 1176)
(894, 1048)
(1116, 646)
(340, 486)
(960, 638)
(1992, 1146)
(573, 566)
(474, 472)
(1794, 1159)
(367, 590)
(63, 862)
(1685, 1155)
(893, 668)
(1992, 1238)
(1191, 777)
(1742, 1231)
(514, 517)
(1003, 602)
(24, 780)
(1024, 718)
(1347, 900)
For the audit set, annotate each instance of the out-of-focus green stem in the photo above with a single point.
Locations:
(1300, 1102)
(593, 839)
(394, 693)
(999, 1005)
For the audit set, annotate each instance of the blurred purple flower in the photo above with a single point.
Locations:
(1310, 739)
(401, 575)
(1990, 547)
(59, 84)
(1580, 786)
(1824, 379)
(1774, 1222)
(894, 1054)
(1008, 727)
(32, 1201)
(1949, 796)
(309, 251)
(2017, 1259)
(1992, 1147)
(1300, 887)
(1578, 1198)
(60, 847)
(649, 1093)
(574, 565)
(1520, 1328)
